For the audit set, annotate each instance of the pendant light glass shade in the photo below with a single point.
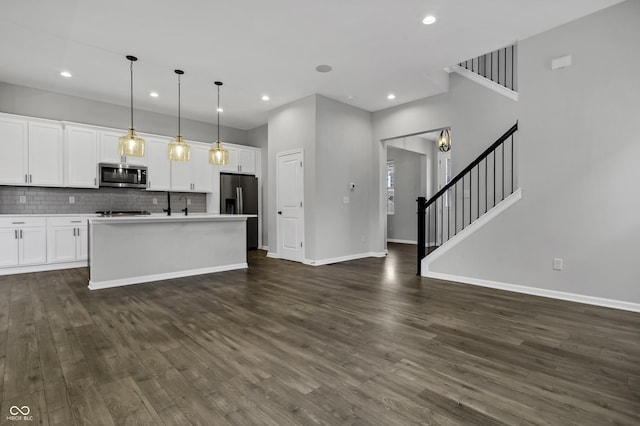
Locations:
(218, 156)
(131, 145)
(178, 149)
(444, 140)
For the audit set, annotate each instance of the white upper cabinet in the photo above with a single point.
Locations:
(158, 164)
(200, 169)
(81, 166)
(46, 154)
(33, 152)
(241, 160)
(109, 149)
(14, 158)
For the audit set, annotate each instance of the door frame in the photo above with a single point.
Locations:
(302, 215)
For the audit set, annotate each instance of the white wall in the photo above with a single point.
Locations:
(55, 106)
(579, 147)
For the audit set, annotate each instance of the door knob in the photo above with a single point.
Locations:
(280, 212)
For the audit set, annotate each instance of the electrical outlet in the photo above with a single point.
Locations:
(72, 199)
(23, 199)
(558, 263)
(154, 201)
(345, 200)
(188, 201)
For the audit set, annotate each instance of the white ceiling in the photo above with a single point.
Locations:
(260, 47)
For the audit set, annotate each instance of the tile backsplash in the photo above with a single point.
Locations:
(42, 200)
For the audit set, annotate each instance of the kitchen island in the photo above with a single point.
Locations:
(137, 249)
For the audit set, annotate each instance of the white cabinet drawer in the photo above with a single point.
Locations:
(22, 222)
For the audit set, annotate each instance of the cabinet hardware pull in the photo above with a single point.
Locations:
(17, 223)
(26, 179)
(21, 234)
(78, 232)
(74, 232)
(76, 221)
(16, 233)
(30, 178)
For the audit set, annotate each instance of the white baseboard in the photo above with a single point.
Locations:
(43, 267)
(273, 255)
(552, 294)
(165, 276)
(343, 258)
(265, 248)
(395, 240)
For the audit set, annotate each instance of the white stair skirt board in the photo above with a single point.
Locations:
(164, 276)
(489, 84)
(343, 258)
(552, 294)
(473, 227)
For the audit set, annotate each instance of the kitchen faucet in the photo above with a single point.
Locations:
(186, 202)
(168, 209)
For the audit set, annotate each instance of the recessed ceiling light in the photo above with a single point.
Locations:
(66, 74)
(154, 94)
(265, 97)
(220, 109)
(324, 68)
(391, 96)
(350, 97)
(429, 19)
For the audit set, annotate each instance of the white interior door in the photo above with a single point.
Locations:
(290, 218)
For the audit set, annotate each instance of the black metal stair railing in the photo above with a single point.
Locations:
(498, 66)
(479, 187)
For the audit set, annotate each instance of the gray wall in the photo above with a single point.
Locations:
(259, 138)
(579, 146)
(293, 126)
(402, 225)
(55, 106)
(40, 200)
(343, 155)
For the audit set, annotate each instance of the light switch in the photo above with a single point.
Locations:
(345, 200)
(72, 199)
(188, 201)
(154, 201)
(23, 199)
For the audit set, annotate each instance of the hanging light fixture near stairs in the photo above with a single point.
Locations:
(130, 145)
(178, 149)
(218, 156)
(444, 140)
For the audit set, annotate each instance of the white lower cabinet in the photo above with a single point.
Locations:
(67, 239)
(23, 242)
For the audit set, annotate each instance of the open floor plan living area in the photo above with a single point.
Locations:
(330, 213)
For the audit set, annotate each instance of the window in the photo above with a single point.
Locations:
(390, 187)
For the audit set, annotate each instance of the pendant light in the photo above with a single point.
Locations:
(178, 150)
(218, 156)
(444, 140)
(130, 145)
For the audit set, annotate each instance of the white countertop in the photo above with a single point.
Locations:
(162, 217)
(9, 216)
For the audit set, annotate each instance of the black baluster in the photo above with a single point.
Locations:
(455, 208)
(494, 178)
(502, 149)
(512, 164)
(505, 67)
(421, 222)
(486, 184)
(513, 74)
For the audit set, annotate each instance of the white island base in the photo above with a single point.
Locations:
(138, 249)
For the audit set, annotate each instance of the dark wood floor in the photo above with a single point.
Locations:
(363, 342)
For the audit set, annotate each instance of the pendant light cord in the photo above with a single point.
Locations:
(179, 133)
(131, 69)
(218, 111)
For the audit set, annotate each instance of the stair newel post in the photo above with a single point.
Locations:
(422, 217)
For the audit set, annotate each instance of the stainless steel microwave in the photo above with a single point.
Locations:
(122, 175)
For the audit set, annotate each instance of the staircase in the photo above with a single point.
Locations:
(485, 183)
(495, 70)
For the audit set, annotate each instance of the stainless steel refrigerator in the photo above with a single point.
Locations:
(239, 195)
